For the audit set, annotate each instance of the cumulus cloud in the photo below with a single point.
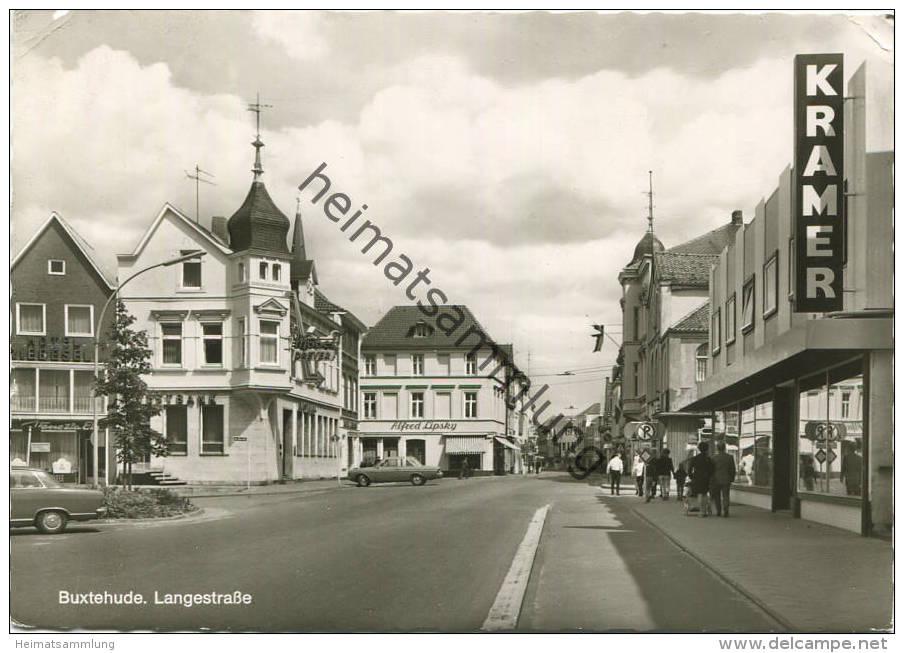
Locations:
(299, 32)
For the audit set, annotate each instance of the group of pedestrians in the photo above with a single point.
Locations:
(712, 476)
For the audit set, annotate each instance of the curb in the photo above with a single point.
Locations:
(718, 574)
(150, 520)
(245, 493)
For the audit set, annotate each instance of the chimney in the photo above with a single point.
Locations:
(737, 217)
(219, 229)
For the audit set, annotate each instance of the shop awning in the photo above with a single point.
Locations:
(508, 444)
(465, 444)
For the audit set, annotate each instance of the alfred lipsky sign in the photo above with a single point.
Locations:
(818, 182)
(423, 426)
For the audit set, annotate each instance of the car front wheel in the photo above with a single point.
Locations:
(417, 479)
(51, 522)
(362, 480)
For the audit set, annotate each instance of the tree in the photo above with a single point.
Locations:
(130, 408)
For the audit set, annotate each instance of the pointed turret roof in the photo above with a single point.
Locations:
(301, 267)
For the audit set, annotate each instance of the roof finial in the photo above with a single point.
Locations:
(650, 208)
(256, 107)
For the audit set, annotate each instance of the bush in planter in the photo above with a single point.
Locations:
(143, 504)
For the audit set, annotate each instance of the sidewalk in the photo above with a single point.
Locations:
(812, 578)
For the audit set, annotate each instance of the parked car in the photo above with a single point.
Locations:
(394, 469)
(37, 499)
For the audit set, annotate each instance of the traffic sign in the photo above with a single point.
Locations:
(646, 431)
(239, 438)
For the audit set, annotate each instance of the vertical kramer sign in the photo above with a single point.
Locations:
(818, 181)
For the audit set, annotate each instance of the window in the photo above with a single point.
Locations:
(716, 332)
(417, 404)
(79, 320)
(830, 433)
(370, 405)
(243, 342)
(30, 319)
(470, 404)
(213, 343)
(770, 286)
(269, 342)
(370, 365)
(56, 266)
(731, 312)
(262, 270)
(754, 441)
(791, 259)
(191, 272)
(241, 271)
(636, 379)
(636, 316)
(177, 429)
(417, 364)
(747, 305)
(471, 365)
(421, 330)
(172, 343)
(701, 363)
(212, 429)
(277, 269)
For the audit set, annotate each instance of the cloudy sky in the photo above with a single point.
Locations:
(506, 152)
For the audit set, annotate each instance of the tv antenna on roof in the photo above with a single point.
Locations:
(198, 179)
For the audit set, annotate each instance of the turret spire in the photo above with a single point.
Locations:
(256, 107)
(650, 208)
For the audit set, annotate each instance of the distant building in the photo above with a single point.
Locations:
(254, 368)
(58, 292)
(437, 397)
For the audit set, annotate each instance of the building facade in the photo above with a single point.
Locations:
(253, 367)
(436, 397)
(805, 399)
(58, 293)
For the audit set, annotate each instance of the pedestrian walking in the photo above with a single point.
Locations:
(723, 477)
(538, 465)
(650, 477)
(701, 471)
(680, 478)
(615, 469)
(665, 468)
(637, 470)
(465, 470)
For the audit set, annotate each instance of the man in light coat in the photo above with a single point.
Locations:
(637, 470)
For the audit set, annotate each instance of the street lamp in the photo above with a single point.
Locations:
(195, 254)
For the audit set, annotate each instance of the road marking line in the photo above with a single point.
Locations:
(507, 606)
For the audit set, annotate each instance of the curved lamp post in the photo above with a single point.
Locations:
(186, 257)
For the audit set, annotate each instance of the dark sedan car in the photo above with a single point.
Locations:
(36, 499)
(394, 469)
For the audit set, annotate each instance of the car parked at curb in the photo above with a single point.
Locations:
(37, 499)
(394, 470)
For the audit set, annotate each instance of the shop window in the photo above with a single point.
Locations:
(370, 365)
(212, 434)
(269, 342)
(79, 320)
(56, 267)
(417, 405)
(471, 365)
(770, 286)
(416, 449)
(370, 405)
(747, 298)
(177, 429)
(731, 315)
(417, 364)
(754, 442)
(716, 331)
(30, 319)
(191, 271)
(470, 404)
(172, 343)
(830, 432)
(213, 343)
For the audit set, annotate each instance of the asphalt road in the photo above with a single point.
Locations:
(391, 558)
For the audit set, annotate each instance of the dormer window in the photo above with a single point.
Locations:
(420, 330)
(262, 273)
(56, 266)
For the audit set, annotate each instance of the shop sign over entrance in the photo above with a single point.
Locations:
(818, 211)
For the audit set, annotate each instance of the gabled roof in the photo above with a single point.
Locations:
(683, 269)
(80, 243)
(697, 321)
(710, 243)
(391, 332)
(198, 229)
(324, 305)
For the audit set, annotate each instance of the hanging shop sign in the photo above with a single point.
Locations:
(818, 182)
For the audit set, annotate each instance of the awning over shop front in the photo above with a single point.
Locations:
(508, 444)
(465, 444)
